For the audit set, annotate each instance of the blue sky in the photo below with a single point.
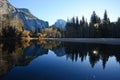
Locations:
(51, 10)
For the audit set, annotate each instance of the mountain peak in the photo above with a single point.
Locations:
(6, 7)
(60, 23)
(30, 22)
(3, 1)
(24, 9)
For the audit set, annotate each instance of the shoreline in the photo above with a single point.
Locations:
(79, 40)
(89, 40)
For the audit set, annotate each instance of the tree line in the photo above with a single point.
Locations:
(96, 28)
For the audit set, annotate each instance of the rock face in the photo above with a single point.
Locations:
(6, 7)
(61, 24)
(30, 22)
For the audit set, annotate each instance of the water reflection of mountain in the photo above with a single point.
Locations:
(31, 52)
(22, 53)
(59, 51)
(18, 54)
(95, 52)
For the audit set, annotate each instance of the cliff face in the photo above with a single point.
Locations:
(30, 22)
(6, 7)
(60, 24)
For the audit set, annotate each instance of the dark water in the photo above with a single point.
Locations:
(59, 61)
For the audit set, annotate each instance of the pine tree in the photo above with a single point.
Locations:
(73, 20)
(118, 28)
(77, 21)
(93, 18)
(106, 19)
(106, 27)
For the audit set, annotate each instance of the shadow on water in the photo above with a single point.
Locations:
(14, 54)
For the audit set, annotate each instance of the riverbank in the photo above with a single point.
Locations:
(115, 41)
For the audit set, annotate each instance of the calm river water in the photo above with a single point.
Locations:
(51, 60)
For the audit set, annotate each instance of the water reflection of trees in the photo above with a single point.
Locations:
(9, 55)
(18, 54)
(48, 44)
(22, 53)
(95, 52)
